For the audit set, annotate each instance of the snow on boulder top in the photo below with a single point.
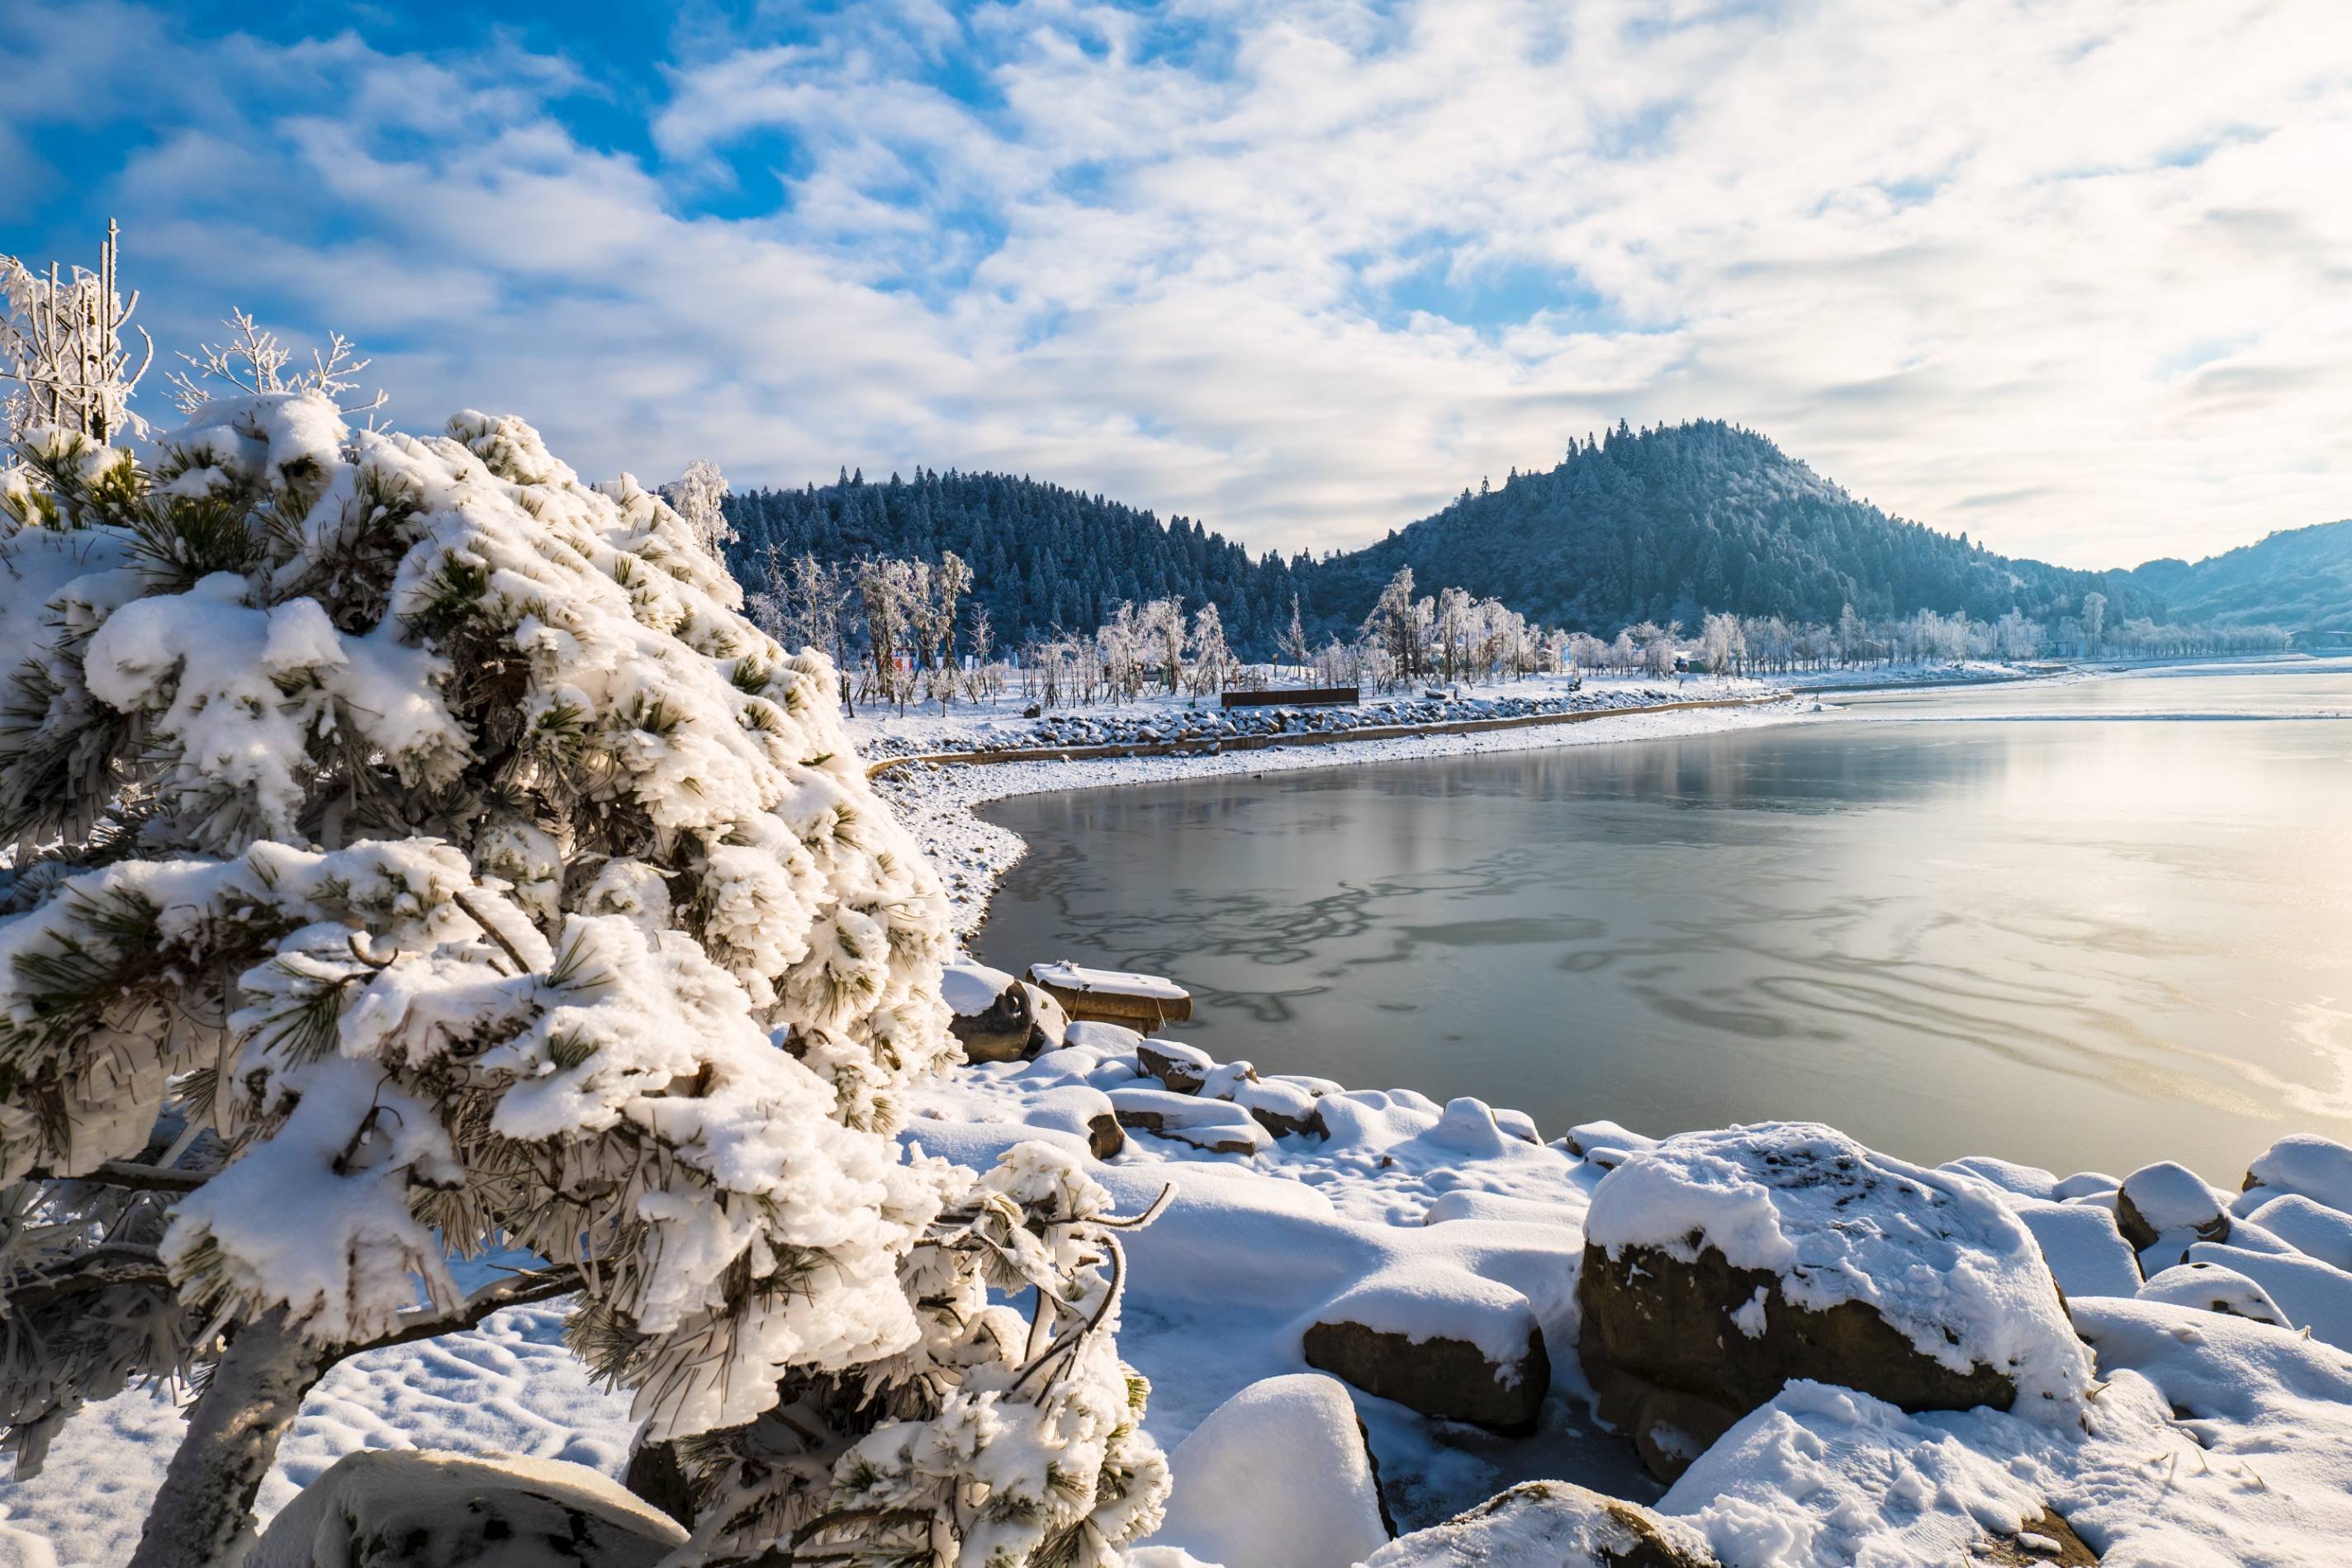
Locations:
(2320, 1168)
(2171, 1196)
(969, 988)
(2213, 1287)
(1073, 978)
(1938, 1254)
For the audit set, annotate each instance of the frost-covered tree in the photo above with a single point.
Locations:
(1161, 624)
(1210, 657)
(418, 853)
(1294, 647)
(699, 496)
(61, 343)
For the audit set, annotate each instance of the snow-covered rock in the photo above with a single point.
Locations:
(1219, 1126)
(2320, 1168)
(1138, 1001)
(1555, 1524)
(1604, 1144)
(2311, 1295)
(1086, 1112)
(1454, 1346)
(2164, 1209)
(2025, 1181)
(2210, 1287)
(403, 1508)
(1277, 1477)
(1182, 1068)
(1721, 1265)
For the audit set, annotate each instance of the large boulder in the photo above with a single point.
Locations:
(1279, 1476)
(1458, 1346)
(1719, 1266)
(1551, 1524)
(405, 1508)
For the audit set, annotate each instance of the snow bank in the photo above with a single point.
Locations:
(1277, 1477)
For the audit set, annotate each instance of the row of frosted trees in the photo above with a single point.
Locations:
(1734, 645)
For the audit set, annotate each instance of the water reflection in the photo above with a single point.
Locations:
(2079, 944)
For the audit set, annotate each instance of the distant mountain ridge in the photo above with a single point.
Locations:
(1659, 524)
(2297, 578)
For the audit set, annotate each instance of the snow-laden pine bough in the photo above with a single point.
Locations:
(418, 854)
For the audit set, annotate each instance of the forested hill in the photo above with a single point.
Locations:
(1655, 524)
(2299, 578)
(1663, 524)
(1042, 555)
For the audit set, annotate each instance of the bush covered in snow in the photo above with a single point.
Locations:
(418, 854)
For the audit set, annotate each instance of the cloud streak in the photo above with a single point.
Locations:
(2069, 275)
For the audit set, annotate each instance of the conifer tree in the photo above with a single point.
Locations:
(419, 853)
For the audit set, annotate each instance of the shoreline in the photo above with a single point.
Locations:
(938, 798)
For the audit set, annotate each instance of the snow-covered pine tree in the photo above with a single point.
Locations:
(419, 853)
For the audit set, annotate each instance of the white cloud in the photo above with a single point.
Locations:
(2069, 275)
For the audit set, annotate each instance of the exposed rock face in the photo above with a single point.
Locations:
(1006, 1031)
(1452, 1379)
(1685, 1326)
(403, 1508)
(1551, 1525)
(1669, 1427)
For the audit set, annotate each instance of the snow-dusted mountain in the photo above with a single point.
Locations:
(1659, 524)
(2297, 577)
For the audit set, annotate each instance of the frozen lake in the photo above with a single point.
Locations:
(2084, 924)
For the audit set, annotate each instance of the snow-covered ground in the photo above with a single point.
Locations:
(2205, 1439)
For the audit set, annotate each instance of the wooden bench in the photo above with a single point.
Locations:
(1295, 697)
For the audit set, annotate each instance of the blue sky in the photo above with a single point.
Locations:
(2068, 274)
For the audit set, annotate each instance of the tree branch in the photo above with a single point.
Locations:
(133, 1175)
(521, 1291)
(115, 1264)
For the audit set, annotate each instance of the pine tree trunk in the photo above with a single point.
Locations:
(203, 1515)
